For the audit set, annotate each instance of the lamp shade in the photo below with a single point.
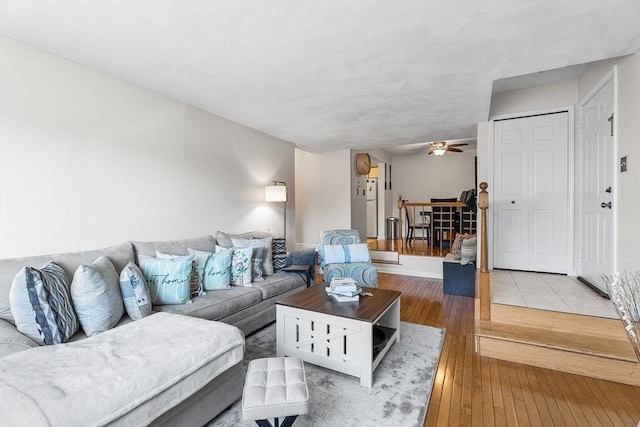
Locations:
(275, 193)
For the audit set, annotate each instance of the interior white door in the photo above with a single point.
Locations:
(530, 197)
(595, 187)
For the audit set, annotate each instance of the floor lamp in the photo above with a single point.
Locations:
(278, 193)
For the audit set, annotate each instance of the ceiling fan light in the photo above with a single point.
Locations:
(439, 151)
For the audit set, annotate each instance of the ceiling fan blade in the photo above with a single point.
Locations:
(456, 145)
(454, 150)
(431, 151)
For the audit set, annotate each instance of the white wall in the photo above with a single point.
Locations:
(323, 194)
(628, 144)
(535, 98)
(88, 161)
(418, 178)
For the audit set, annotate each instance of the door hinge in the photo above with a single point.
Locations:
(610, 120)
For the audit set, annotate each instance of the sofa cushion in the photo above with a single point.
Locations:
(176, 247)
(224, 239)
(119, 255)
(267, 261)
(279, 283)
(135, 293)
(214, 268)
(168, 278)
(363, 273)
(42, 306)
(128, 364)
(216, 305)
(95, 291)
(12, 341)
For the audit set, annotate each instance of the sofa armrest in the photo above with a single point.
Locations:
(12, 341)
(304, 257)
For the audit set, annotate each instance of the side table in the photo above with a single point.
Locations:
(302, 270)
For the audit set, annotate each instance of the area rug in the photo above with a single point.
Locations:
(402, 384)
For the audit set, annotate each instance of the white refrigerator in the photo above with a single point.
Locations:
(372, 208)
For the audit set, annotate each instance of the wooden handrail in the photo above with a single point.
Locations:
(484, 288)
(414, 205)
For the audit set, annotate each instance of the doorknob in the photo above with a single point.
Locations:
(608, 190)
(513, 202)
(605, 205)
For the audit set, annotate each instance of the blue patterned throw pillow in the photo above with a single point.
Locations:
(135, 294)
(41, 304)
(168, 278)
(214, 269)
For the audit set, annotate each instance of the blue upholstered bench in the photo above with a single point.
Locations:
(458, 279)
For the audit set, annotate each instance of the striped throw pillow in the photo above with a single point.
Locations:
(344, 254)
(41, 304)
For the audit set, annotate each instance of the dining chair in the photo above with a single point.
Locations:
(424, 225)
(445, 220)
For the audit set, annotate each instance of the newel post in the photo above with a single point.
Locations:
(485, 284)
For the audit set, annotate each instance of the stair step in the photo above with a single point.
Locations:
(612, 348)
(600, 357)
(558, 321)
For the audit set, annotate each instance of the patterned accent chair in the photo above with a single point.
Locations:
(364, 273)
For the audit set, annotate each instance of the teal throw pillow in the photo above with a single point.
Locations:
(135, 294)
(95, 291)
(168, 278)
(214, 269)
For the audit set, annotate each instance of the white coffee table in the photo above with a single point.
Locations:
(314, 327)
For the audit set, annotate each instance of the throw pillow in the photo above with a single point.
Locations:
(41, 304)
(256, 264)
(457, 244)
(267, 262)
(95, 291)
(469, 250)
(195, 285)
(240, 266)
(214, 269)
(168, 278)
(344, 254)
(279, 252)
(135, 294)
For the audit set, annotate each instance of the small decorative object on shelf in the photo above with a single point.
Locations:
(625, 295)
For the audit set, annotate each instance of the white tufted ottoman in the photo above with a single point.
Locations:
(274, 388)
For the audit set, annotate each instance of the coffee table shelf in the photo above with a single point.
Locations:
(339, 336)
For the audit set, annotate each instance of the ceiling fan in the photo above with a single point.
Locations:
(440, 147)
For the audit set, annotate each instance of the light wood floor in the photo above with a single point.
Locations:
(416, 247)
(470, 390)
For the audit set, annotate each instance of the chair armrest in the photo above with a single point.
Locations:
(304, 257)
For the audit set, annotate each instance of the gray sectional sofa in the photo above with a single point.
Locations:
(182, 365)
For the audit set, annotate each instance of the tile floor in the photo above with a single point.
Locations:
(553, 292)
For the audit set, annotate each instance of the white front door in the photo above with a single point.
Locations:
(530, 196)
(595, 186)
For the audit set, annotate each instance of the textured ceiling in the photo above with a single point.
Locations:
(330, 75)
